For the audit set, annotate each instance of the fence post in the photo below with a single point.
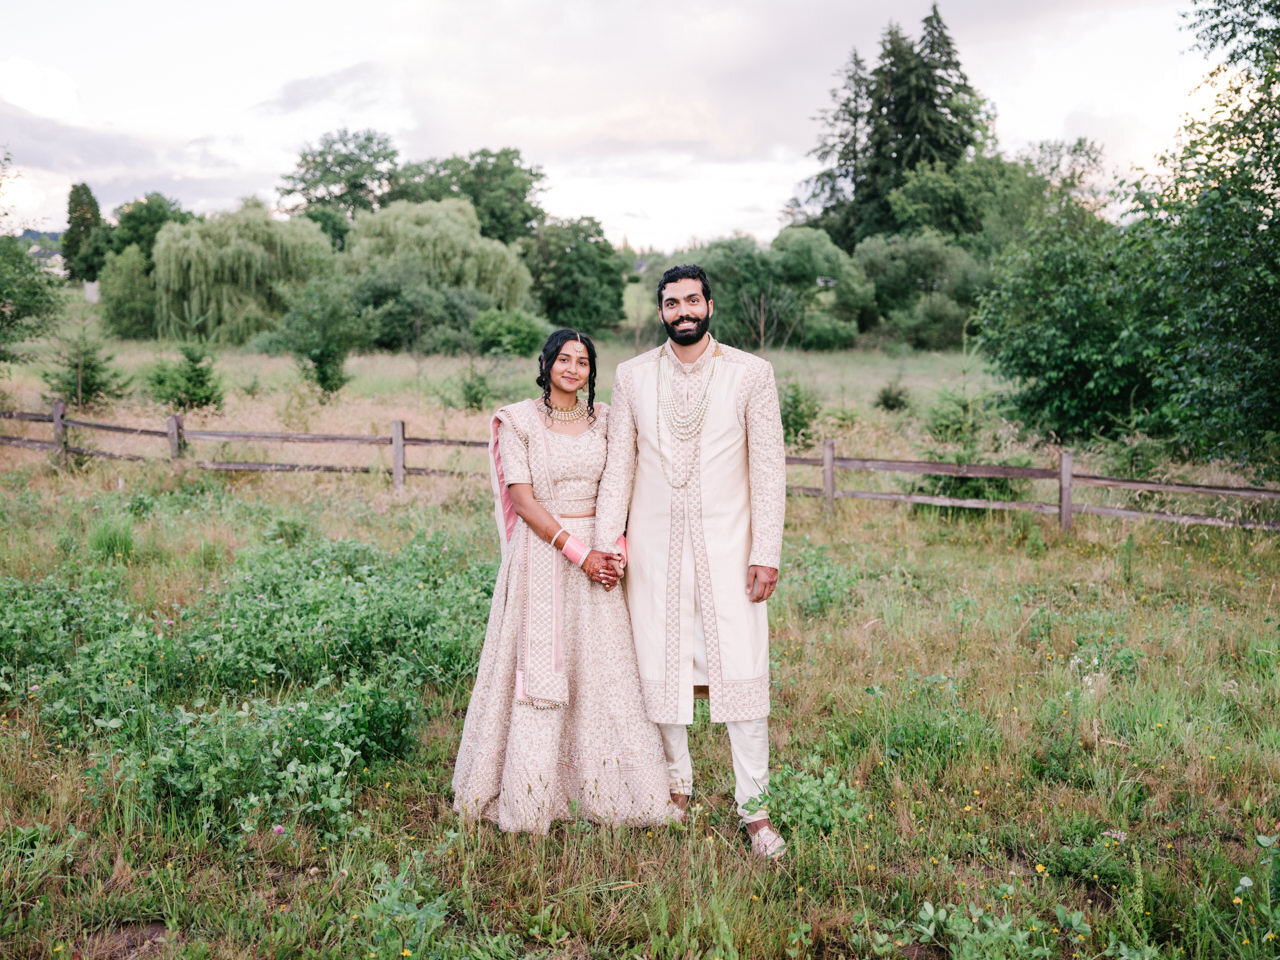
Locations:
(397, 454)
(176, 441)
(60, 431)
(829, 475)
(1064, 490)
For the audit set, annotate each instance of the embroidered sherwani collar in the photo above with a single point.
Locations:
(703, 361)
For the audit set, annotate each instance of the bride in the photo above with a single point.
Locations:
(556, 727)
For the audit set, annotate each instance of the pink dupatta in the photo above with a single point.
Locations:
(541, 680)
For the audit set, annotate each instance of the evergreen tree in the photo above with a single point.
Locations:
(915, 107)
(82, 217)
(80, 374)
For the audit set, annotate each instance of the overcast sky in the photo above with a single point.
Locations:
(666, 121)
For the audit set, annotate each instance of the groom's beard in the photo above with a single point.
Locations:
(688, 337)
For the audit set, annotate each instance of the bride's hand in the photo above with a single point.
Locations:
(600, 568)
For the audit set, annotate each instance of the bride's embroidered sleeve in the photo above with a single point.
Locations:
(515, 455)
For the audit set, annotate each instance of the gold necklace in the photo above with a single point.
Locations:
(576, 412)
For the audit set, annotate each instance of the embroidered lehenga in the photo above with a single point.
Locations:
(556, 727)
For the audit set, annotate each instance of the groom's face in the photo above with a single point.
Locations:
(686, 314)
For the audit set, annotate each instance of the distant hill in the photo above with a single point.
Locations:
(48, 241)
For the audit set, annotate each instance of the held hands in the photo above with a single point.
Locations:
(761, 582)
(603, 568)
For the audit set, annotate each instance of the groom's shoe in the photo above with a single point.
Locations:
(766, 842)
(679, 808)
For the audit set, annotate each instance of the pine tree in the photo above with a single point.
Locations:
(915, 107)
(82, 217)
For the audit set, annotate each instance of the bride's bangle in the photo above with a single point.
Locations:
(575, 550)
(555, 535)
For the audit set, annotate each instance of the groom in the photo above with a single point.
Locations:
(695, 477)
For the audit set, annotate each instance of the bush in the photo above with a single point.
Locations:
(893, 396)
(509, 332)
(934, 322)
(188, 385)
(958, 421)
(824, 332)
(800, 408)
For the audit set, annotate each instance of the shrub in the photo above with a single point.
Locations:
(475, 389)
(893, 396)
(800, 408)
(189, 384)
(508, 332)
(81, 374)
(933, 322)
(814, 800)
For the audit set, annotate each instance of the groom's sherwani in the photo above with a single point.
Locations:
(697, 512)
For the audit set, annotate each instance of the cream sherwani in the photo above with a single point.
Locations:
(697, 513)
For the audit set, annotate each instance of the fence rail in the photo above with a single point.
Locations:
(1066, 508)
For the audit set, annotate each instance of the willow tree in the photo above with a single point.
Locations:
(441, 241)
(216, 279)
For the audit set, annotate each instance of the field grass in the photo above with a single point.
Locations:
(230, 709)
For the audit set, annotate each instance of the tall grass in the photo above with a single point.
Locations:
(230, 708)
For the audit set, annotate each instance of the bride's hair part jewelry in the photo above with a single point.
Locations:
(546, 360)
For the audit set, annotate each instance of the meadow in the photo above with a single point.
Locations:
(231, 704)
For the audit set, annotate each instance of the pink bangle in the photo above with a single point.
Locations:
(575, 550)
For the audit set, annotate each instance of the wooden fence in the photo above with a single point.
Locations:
(1065, 507)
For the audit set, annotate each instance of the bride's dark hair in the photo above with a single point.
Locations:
(551, 349)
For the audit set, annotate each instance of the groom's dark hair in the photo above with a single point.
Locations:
(686, 271)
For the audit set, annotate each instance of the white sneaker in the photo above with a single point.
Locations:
(767, 843)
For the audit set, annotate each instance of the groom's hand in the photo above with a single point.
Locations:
(761, 582)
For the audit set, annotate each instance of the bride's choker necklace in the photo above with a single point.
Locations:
(565, 415)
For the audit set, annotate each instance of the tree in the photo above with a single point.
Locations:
(440, 241)
(189, 384)
(348, 170)
(128, 295)
(220, 279)
(987, 203)
(321, 328)
(141, 221)
(80, 374)
(925, 286)
(29, 297)
(1214, 231)
(92, 255)
(82, 217)
(915, 107)
(1247, 31)
(577, 276)
(333, 222)
(1063, 324)
(500, 187)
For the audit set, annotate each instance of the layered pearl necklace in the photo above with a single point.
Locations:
(562, 415)
(683, 426)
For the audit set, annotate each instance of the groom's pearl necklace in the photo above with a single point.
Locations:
(683, 426)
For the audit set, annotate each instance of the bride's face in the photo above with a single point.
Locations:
(569, 372)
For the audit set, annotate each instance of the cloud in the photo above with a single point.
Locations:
(355, 86)
(51, 145)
